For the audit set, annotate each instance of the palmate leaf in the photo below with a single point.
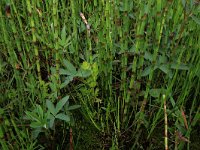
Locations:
(146, 71)
(66, 72)
(40, 111)
(66, 81)
(155, 92)
(148, 56)
(50, 116)
(162, 59)
(179, 66)
(51, 107)
(83, 73)
(36, 125)
(69, 66)
(165, 68)
(51, 122)
(61, 103)
(31, 116)
(64, 42)
(36, 132)
(63, 117)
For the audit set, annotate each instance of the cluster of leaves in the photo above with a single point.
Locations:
(163, 65)
(42, 120)
(70, 72)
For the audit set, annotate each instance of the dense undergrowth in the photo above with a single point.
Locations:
(89, 74)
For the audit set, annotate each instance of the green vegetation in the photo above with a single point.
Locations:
(89, 74)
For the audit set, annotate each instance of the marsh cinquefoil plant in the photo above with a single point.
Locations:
(42, 121)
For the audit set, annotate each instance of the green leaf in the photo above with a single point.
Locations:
(36, 132)
(104, 108)
(61, 42)
(179, 66)
(53, 70)
(162, 59)
(50, 116)
(156, 66)
(146, 71)
(196, 118)
(148, 56)
(85, 65)
(1, 133)
(191, 3)
(61, 103)
(40, 111)
(63, 33)
(69, 66)
(2, 66)
(31, 116)
(36, 125)
(51, 122)
(51, 107)
(53, 87)
(180, 127)
(63, 117)
(73, 107)
(83, 73)
(66, 72)
(67, 81)
(197, 73)
(71, 49)
(197, 20)
(1, 111)
(67, 40)
(172, 101)
(183, 3)
(165, 68)
(170, 74)
(155, 92)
